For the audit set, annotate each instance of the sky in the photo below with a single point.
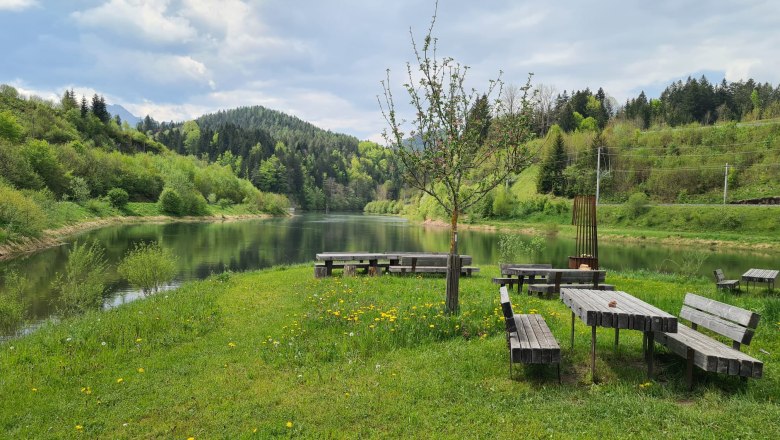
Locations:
(323, 61)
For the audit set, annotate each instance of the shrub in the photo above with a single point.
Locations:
(637, 204)
(19, 215)
(82, 284)
(79, 190)
(170, 202)
(148, 266)
(118, 198)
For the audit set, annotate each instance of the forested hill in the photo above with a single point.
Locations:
(280, 153)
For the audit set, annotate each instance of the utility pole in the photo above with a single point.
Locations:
(598, 174)
(725, 184)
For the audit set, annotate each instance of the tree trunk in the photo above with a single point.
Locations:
(453, 266)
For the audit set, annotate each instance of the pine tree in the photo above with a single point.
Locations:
(84, 106)
(551, 178)
(99, 108)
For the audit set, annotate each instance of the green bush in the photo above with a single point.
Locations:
(170, 202)
(82, 285)
(19, 215)
(148, 266)
(79, 190)
(118, 198)
(636, 205)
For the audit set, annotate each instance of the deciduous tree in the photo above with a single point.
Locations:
(453, 148)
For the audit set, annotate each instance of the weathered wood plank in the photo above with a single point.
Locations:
(731, 330)
(738, 315)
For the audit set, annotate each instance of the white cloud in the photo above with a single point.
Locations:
(147, 19)
(16, 5)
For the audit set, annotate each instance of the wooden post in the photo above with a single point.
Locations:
(617, 339)
(593, 354)
(349, 270)
(650, 349)
(572, 332)
(320, 271)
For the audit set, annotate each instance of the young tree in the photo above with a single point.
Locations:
(456, 149)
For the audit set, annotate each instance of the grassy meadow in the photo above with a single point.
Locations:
(277, 353)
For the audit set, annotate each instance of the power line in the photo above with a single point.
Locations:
(672, 155)
(719, 167)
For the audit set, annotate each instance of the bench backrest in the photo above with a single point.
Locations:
(506, 308)
(578, 277)
(719, 275)
(505, 266)
(732, 322)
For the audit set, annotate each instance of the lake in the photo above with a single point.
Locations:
(212, 247)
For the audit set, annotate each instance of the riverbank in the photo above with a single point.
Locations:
(135, 213)
(554, 226)
(278, 353)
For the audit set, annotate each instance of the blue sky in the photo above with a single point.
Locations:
(323, 60)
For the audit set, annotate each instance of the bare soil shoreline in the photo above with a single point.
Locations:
(54, 237)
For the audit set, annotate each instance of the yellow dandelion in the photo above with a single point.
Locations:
(79, 427)
(254, 431)
(289, 424)
(35, 390)
(190, 438)
(138, 339)
(141, 370)
(231, 344)
(431, 326)
(120, 380)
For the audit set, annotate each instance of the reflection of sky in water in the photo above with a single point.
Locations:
(207, 248)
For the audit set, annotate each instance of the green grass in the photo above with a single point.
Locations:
(224, 357)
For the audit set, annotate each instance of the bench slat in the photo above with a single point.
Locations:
(728, 329)
(741, 316)
(709, 354)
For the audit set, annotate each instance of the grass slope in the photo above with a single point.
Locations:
(277, 353)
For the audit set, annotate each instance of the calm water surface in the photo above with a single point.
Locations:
(207, 248)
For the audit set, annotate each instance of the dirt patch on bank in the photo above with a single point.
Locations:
(55, 237)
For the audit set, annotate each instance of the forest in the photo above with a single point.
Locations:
(279, 153)
(61, 162)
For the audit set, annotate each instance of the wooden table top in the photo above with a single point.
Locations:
(525, 271)
(761, 274)
(629, 312)
(349, 256)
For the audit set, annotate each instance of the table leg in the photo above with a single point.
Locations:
(373, 264)
(329, 267)
(572, 331)
(520, 279)
(593, 354)
(650, 350)
(617, 339)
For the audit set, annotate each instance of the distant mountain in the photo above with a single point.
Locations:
(280, 153)
(124, 114)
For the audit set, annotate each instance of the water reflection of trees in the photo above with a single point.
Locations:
(206, 248)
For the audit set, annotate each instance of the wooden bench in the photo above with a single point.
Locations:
(465, 270)
(722, 283)
(706, 353)
(528, 338)
(430, 263)
(506, 279)
(574, 279)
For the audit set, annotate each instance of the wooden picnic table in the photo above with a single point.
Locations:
(330, 257)
(593, 308)
(767, 276)
(533, 272)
